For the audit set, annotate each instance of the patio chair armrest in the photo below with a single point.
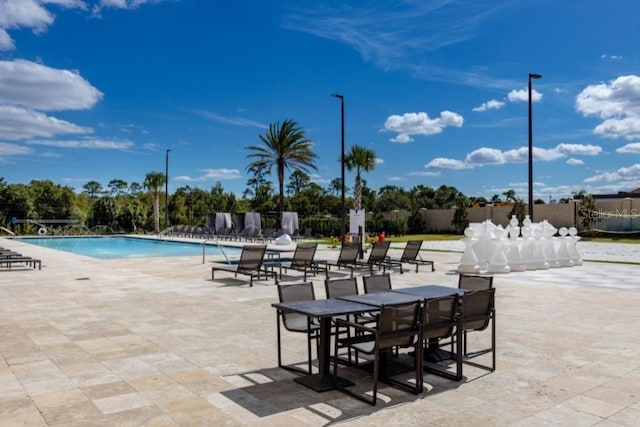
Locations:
(340, 322)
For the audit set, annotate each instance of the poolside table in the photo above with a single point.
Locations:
(324, 310)
(430, 291)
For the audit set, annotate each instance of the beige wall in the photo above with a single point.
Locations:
(560, 215)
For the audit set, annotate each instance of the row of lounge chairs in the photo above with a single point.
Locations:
(249, 234)
(9, 258)
(252, 264)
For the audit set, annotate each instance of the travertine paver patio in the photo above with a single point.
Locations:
(156, 342)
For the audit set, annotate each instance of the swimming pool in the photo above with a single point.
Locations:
(125, 247)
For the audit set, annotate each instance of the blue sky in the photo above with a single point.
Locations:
(99, 89)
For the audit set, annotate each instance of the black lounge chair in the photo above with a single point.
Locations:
(303, 260)
(411, 255)
(250, 264)
(8, 262)
(348, 258)
(377, 257)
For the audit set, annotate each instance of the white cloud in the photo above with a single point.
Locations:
(7, 150)
(236, 121)
(444, 163)
(574, 162)
(21, 123)
(633, 148)
(425, 173)
(6, 42)
(627, 175)
(121, 4)
(397, 178)
(420, 124)
(43, 88)
(213, 174)
(617, 101)
(29, 14)
(490, 105)
(614, 57)
(522, 95)
(87, 143)
(379, 161)
(579, 149)
(485, 156)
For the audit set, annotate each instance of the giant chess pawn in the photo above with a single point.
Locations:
(550, 253)
(527, 247)
(499, 262)
(514, 255)
(564, 258)
(469, 261)
(573, 250)
(538, 250)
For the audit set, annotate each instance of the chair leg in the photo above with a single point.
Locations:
(279, 339)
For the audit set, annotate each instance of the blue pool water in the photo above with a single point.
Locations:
(125, 247)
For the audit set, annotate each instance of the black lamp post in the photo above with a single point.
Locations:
(342, 213)
(166, 189)
(531, 76)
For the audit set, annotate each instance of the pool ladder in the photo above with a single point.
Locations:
(204, 245)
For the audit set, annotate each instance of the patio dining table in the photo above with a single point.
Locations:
(324, 310)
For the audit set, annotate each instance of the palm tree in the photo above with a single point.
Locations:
(362, 160)
(153, 181)
(285, 146)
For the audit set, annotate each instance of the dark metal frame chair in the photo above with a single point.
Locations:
(303, 260)
(473, 282)
(348, 258)
(440, 320)
(398, 325)
(250, 264)
(296, 322)
(377, 256)
(411, 255)
(477, 313)
(377, 283)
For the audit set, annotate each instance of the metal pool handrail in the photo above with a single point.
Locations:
(204, 245)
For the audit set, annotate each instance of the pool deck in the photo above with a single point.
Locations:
(156, 342)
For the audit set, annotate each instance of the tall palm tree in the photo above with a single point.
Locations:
(153, 181)
(362, 160)
(285, 147)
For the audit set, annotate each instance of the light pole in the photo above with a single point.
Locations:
(531, 76)
(166, 189)
(342, 213)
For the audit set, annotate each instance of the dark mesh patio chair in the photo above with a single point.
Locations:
(337, 288)
(473, 282)
(439, 322)
(377, 283)
(397, 326)
(477, 313)
(348, 258)
(303, 260)
(411, 255)
(296, 322)
(377, 256)
(250, 264)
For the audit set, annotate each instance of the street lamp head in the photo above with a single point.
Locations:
(535, 76)
(336, 95)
